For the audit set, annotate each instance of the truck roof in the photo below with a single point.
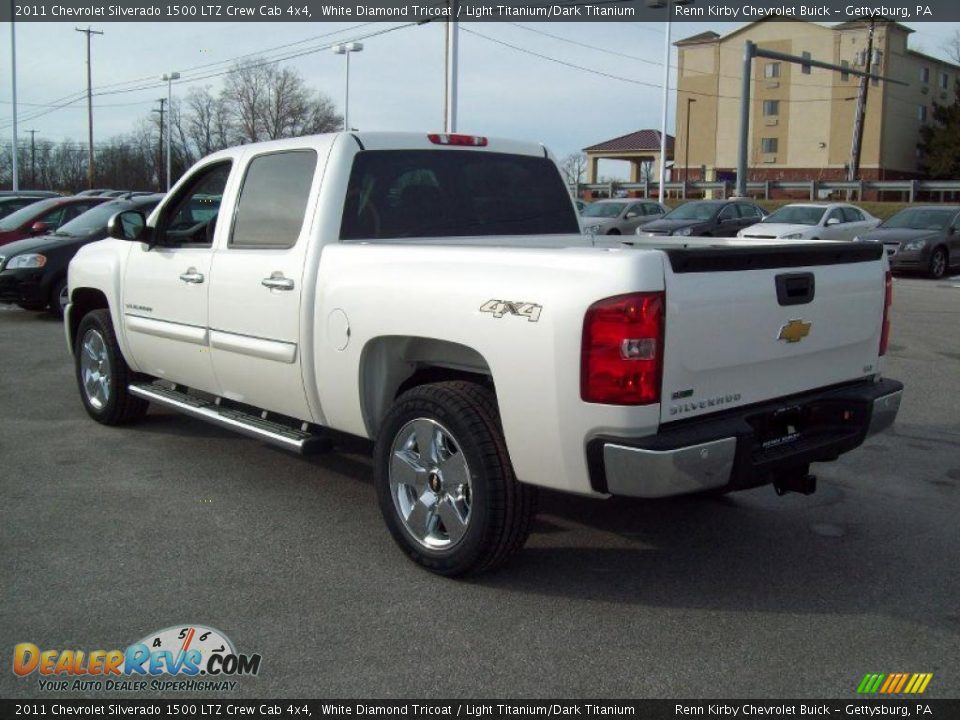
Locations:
(376, 140)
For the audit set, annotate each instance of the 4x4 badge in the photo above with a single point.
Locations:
(499, 308)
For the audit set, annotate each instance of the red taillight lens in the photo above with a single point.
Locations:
(887, 302)
(621, 358)
(447, 139)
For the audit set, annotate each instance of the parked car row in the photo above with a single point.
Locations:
(924, 238)
(33, 269)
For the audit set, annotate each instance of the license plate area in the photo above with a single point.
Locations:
(793, 428)
(780, 427)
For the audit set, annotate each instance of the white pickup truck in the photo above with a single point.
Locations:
(434, 293)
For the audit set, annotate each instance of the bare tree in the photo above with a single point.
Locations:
(265, 102)
(952, 47)
(574, 167)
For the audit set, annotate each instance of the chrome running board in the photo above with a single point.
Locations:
(245, 423)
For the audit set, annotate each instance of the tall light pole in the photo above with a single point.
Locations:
(450, 89)
(89, 33)
(346, 49)
(13, 78)
(169, 78)
(666, 89)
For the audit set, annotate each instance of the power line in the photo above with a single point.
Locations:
(632, 81)
(187, 81)
(656, 63)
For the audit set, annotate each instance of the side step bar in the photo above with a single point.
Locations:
(289, 438)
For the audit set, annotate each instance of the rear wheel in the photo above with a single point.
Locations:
(938, 263)
(614, 232)
(444, 481)
(102, 373)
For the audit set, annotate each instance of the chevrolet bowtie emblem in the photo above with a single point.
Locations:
(794, 331)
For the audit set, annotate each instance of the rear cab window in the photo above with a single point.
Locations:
(396, 194)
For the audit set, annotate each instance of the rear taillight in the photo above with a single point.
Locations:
(448, 139)
(621, 359)
(887, 302)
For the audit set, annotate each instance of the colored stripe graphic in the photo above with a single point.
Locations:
(894, 683)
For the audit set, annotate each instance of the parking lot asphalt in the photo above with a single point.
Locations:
(109, 534)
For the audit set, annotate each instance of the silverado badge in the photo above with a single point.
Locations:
(794, 331)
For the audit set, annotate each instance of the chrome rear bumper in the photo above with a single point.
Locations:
(714, 453)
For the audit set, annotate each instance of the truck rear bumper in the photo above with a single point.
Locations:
(745, 447)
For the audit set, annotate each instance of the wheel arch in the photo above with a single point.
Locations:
(82, 301)
(391, 365)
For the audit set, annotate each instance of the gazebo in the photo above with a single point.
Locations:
(637, 147)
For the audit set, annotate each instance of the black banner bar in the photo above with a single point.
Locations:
(104, 11)
(916, 707)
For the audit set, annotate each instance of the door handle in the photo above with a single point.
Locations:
(277, 281)
(192, 276)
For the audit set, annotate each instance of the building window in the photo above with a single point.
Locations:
(771, 70)
(806, 68)
(768, 145)
(771, 107)
(844, 76)
(922, 113)
(925, 75)
(944, 81)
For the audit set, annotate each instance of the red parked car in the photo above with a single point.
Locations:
(44, 217)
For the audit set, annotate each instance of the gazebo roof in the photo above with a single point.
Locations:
(636, 141)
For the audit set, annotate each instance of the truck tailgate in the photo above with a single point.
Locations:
(748, 324)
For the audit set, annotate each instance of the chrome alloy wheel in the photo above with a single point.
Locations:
(95, 368)
(430, 484)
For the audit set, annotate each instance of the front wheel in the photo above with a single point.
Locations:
(444, 481)
(938, 263)
(102, 373)
(59, 298)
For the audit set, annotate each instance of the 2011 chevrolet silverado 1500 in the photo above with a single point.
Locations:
(434, 293)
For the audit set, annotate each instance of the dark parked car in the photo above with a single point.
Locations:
(44, 216)
(33, 271)
(9, 204)
(619, 217)
(31, 193)
(706, 218)
(924, 239)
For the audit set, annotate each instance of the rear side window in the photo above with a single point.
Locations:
(273, 199)
(852, 215)
(454, 193)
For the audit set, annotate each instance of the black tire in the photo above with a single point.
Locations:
(32, 307)
(614, 232)
(56, 293)
(501, 509)
(939, 262)
(111, 402)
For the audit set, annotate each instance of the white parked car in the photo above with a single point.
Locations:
(434, 293)
(812, 221)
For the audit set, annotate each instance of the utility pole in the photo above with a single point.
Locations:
(13, 78)
(160, 147)
(33, 158)
(857, 144)
(88, 32)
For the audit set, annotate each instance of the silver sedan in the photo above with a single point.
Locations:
(619, 217)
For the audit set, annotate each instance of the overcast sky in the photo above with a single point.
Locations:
(396, 82)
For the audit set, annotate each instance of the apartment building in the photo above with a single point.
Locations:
(802, 117)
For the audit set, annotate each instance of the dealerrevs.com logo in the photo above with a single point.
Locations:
(198, 657)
